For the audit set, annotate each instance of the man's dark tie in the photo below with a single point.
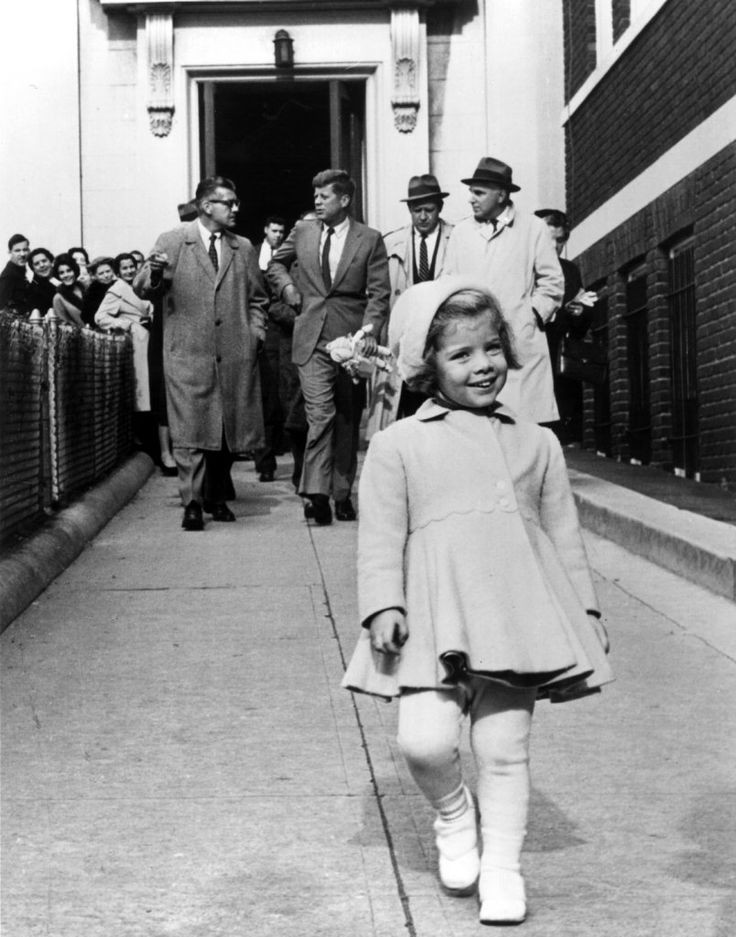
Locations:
(213, 252)
(326, 275)
(423, 262)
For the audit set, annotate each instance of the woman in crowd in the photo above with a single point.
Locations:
(121, 310)
(42, 288)
(103, 273)
(67, 302)
(157, 385)
(126, 267)
(81, 257)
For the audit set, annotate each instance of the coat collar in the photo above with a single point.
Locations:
(352, 238)
(402, 249)
(228, 244)
(504, 220)
(434, 409)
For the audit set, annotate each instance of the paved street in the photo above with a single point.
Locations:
(180, 761)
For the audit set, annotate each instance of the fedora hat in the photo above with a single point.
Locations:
(423, 187)
(493, 172)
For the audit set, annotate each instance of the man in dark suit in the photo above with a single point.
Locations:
(341, 285)
(573, 318)
(276, 347)
(15, 291)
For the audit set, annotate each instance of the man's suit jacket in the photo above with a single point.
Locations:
(360, 290)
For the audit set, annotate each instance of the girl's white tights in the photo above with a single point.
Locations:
(500, 721)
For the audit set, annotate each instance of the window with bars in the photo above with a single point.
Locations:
(637, 347)
(683, 358)
(601, 392)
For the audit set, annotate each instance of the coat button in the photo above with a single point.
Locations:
(218, 321)
(218, 359)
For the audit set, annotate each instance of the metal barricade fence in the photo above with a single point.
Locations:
(66, 414)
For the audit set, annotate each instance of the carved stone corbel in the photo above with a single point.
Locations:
(405, 47)
(160, 42)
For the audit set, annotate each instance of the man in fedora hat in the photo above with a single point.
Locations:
(513, 253)
(416, 252)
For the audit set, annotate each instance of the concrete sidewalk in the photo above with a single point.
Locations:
(179, 759)
(686, 527)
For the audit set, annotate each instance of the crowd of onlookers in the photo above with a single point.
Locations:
(96, 294)
(36, 283)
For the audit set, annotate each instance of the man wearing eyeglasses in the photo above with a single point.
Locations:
(214, 311)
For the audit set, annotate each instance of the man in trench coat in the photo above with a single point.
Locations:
(513, 253)
(408, 263)
(214, 323)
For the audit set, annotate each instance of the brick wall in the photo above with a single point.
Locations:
(702, 204)
(621, 16)
(676, 72)
(579, 35)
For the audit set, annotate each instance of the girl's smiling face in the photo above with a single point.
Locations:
(471, 367)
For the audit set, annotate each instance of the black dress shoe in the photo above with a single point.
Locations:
(219, 511)
(170, 471)
(308, 510)
(265, 477)
(192, 519)
(322, 510)
(344, 510)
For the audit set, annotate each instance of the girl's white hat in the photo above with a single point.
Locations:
(412, 316)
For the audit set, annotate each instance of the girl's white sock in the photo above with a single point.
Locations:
(453, 805)
(501, 850)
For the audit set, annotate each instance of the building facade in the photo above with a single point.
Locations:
(650, 125)
(118, 107)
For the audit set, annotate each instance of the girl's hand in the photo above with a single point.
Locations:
(388, 631)
(600, 630)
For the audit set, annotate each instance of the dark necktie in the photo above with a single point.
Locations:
(213, 252)
(423, 262)
(326, 275)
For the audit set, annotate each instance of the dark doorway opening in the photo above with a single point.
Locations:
(271, 138)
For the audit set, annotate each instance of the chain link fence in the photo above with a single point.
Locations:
(66, 416)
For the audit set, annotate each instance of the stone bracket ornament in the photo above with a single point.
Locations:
(405, 47)
(160, 43)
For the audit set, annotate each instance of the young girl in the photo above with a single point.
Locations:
(474, 589)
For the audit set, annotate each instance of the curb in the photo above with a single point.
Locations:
(697, 548)
(27, 571)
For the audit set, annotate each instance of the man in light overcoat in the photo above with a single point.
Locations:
(341, 286)
(513, 254)
(214, 324)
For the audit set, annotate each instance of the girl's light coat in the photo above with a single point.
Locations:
(469, 525)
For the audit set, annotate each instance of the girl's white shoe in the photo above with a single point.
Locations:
(502, 896)
(457, 845)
